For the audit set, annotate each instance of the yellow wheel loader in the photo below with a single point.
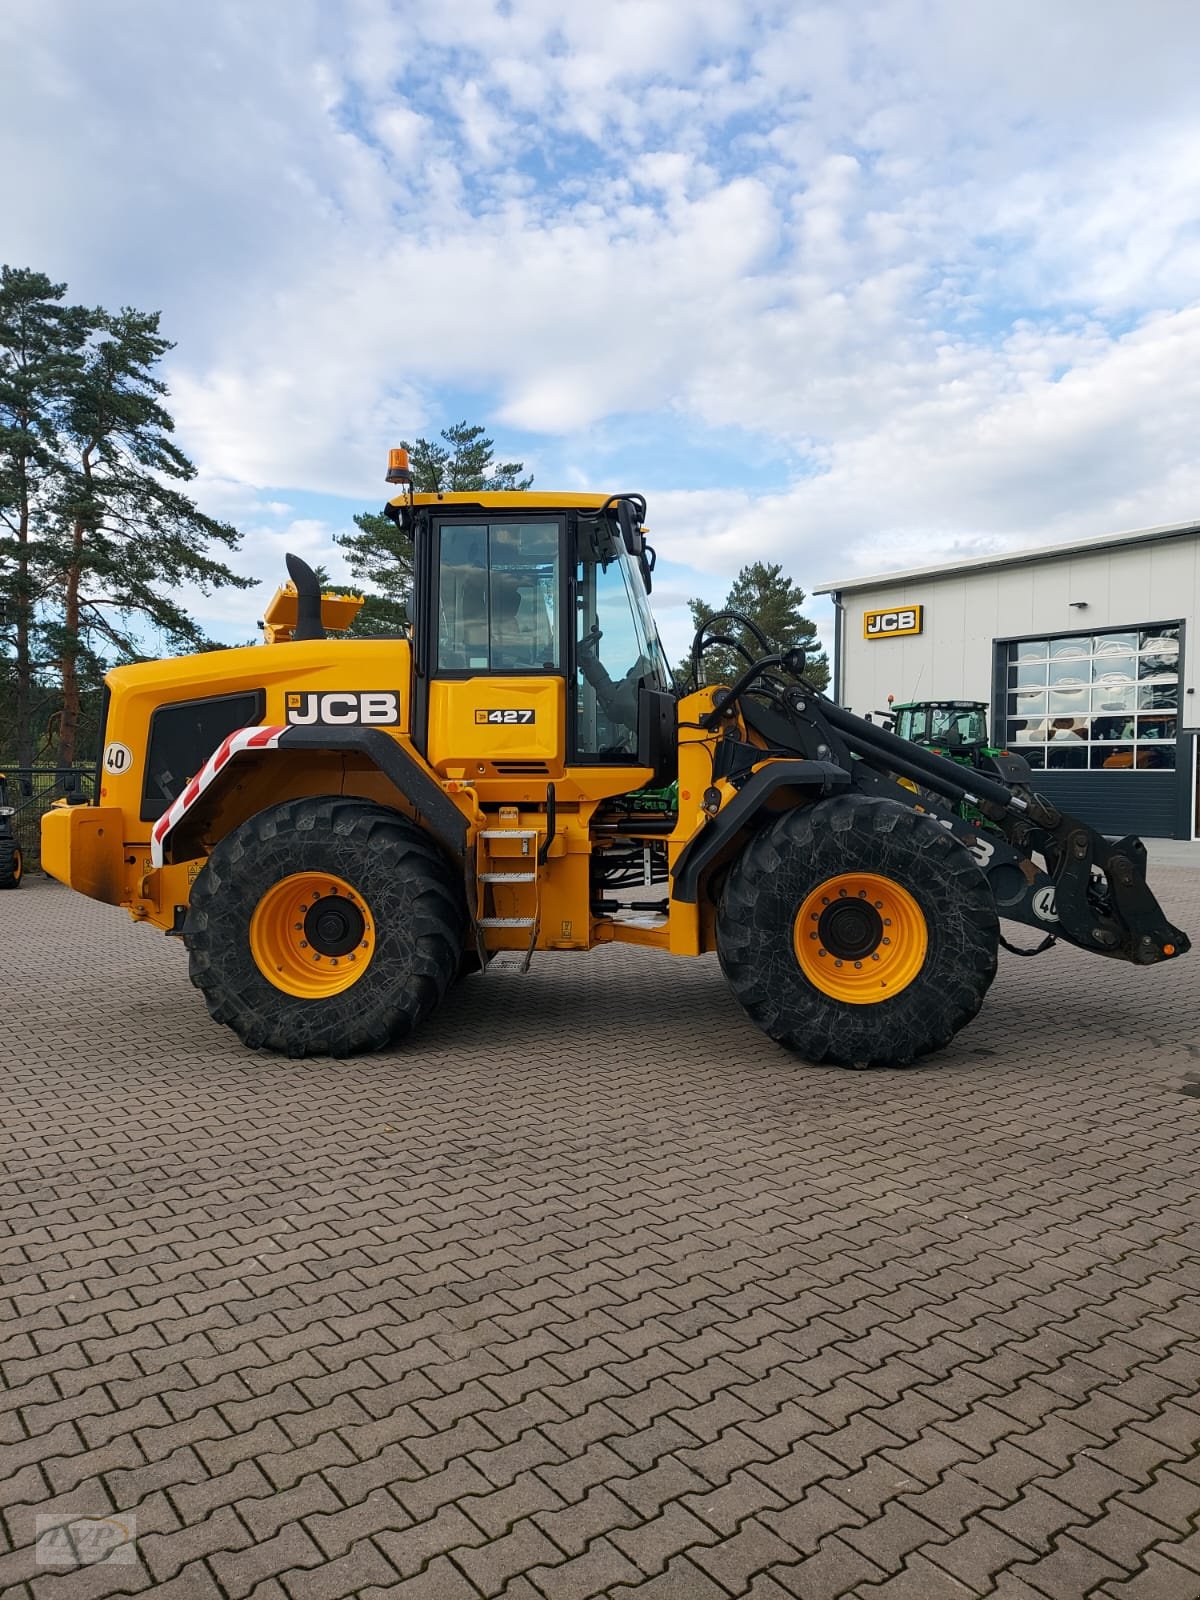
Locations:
(337, 828)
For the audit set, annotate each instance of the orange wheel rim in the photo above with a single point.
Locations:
(860, 938)
(312, 935)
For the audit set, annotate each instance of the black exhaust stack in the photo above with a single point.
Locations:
(308, 599)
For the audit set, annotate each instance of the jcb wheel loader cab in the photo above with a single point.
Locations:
(858, 932)
(325, 926)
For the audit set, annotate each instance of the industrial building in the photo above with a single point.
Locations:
(1079, 650)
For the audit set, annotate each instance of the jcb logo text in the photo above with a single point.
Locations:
(887, 624)
(375, 707)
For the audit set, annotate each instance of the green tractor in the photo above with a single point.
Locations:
(11, 865)
(957, 729)
(954, 728)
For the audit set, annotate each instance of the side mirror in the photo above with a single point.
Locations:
(795, 660)
(631, 535)
(592, 539)
(634, 539)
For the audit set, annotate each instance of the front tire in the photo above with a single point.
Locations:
(325, 926)
(12, 864)
(858, 933)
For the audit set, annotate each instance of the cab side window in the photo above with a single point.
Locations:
(498, 597)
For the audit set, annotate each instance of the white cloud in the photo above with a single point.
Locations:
(234, 614)
(402, 132)
(983, 460)
(945, 257)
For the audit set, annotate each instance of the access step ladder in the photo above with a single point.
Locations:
(509, 861)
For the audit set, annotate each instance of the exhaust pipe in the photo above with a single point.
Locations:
(308, 599)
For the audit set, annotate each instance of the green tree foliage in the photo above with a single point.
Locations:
(773, 601)
(381, 565)
(98, 542)
(40, 359)
(465, 462)
(130, 541)
(380, 556)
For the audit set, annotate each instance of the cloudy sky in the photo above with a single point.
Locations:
(846, 286)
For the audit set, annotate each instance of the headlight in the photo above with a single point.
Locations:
(8, 811)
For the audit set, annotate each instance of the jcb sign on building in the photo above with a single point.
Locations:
(892, 623)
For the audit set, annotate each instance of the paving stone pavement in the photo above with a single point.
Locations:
(592, 1290)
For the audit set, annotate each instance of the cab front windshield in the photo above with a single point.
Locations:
(617, 645)
(948, 725)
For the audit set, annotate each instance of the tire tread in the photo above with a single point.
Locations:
(354, 838)
(786, 859)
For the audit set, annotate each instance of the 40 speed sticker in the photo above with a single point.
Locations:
(1044, 907)
(118, 757)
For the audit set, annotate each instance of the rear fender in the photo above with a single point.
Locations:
(239, 743)
(812, 778)
(179, 831)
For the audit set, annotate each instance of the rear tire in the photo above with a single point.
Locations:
(12, 864)
(912, 992)
(385, 897)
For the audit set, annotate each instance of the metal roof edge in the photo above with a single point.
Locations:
(1011, 558)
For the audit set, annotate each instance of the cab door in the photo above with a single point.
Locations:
(497, 686)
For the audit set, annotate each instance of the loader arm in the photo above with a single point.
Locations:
(1091, 890)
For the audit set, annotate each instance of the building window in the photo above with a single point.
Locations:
(1095, 701)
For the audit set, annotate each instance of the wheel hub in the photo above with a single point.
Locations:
(334, 926)
(850, 929)
(311, 935)
(860, 938)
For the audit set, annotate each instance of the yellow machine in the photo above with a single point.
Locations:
(336, 828)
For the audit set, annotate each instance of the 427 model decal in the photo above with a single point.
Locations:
(509, 717)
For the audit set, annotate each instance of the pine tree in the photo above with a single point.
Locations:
(128, 541)
(380, 560)
(380, 556)
(41, 345)
(762, 593)
(466, 465)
